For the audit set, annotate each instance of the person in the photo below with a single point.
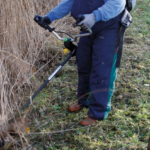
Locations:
(96, 54)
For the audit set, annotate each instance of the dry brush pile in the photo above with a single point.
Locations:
(21, 42)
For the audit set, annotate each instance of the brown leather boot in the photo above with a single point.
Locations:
(87, 121)
(75, 107)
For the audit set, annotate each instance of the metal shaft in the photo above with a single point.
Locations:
(45, 83)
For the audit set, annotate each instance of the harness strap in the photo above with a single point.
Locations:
(120, 45)
(126, 20)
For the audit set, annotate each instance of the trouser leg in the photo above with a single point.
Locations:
(103, 74)
(84, 63)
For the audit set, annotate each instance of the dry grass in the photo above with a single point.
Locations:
(21, 42)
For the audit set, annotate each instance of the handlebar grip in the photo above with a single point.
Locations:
(80, 18)
(45, 25)
(37, 19)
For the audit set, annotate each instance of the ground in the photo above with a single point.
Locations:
(127, 127)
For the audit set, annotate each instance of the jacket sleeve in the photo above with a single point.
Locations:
(109, 10)
(61, 10)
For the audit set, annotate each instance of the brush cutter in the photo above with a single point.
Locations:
(68, 42)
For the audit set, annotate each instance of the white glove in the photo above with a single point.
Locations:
(88, 22)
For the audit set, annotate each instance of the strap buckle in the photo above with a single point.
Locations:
(126, 19)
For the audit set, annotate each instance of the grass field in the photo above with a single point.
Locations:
(127, 127)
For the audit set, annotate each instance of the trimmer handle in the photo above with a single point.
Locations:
(80, 18)
(39, 20)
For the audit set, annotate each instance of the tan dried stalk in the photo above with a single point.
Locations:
(21, 41)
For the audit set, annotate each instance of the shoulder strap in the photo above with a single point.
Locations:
(130, 4)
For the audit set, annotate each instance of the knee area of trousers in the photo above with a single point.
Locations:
(84, 66)
(99, 82)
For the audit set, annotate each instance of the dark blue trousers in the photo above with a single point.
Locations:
(96, 60)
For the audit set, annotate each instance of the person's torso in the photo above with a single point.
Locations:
(85, 6)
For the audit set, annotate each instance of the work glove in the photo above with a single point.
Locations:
(88, 22)
(42, 21)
